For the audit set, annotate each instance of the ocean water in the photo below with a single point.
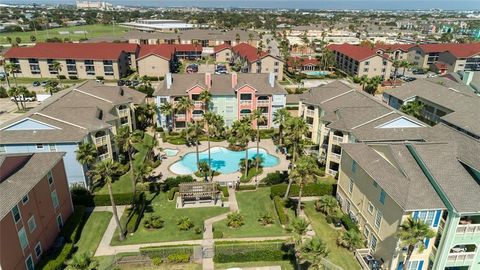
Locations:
(222, 160)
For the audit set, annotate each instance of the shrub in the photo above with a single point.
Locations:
(224, 192)
(81, 196)
(266, 219)
(73, 77)
(329, 219)
(235, 220)
(172, 182)
(246, 187)
(99, 78)
(184, 223)
(159, 129)
(275, 178)
(277, 201)
(163, 252)
(171, 193)
(120, 199)
(217, 234)
(249, 252)
(197, 230)
(148, 90)
(179, 258)
(153, 222)
(348, 223)
(318, 189)
(3, 92)
(157, 261)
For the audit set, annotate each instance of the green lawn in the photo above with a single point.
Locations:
(167, 210)
(338, 255)
(286, 265)
(253, 204)
(93, 231)
(124, 184)
(93, 31)
(251, 174)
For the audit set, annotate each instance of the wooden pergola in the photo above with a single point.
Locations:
(198, 192)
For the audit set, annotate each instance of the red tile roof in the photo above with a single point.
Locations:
(222, 47)
(440, 65)
(80, 51)
(163, 50)
(458, 50)
(394, 47)
(355, 52)
(249, 52)
(305, 62)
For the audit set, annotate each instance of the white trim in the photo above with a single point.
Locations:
(34, 223)
(189, 89)
(327, 100)
(31, 119)
(400, 117)
(31, 258)
(19, 213)
(236, 90)
(88, 94)
(61, 121)
(39, 244)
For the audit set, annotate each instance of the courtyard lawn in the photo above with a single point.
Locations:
(252, 204)
(338, 255)
(93, 231)
(167, 210)
(92, 31)
(285, 265)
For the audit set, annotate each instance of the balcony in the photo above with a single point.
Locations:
(265, 114)
(104, 156)
(458, 259)
(99, 141)
(246, 102)
(123, 113)
(337, 139)
(309, 112)
(332, 172)
(197, 117)
(468, 229)
(198, 104)
(180, 117)
(263, 102)
(366, 260)
(335, 157)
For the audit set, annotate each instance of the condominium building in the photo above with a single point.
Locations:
(380, 185)
(458, 57)
(35, 204)
(77, 60)
(251, 60)
(223, 53)
(233, 96)
(443, 100)
(395, 51)
(336, 113)
(89, 113)
(296, 63)
(361, 61)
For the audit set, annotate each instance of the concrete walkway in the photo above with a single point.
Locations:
(104, 246)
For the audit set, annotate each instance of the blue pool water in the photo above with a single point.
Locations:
(223, 160)
(170, 152)
(317, 73)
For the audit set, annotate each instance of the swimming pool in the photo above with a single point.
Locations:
(170, 152)
(222, 160)
(316, 73)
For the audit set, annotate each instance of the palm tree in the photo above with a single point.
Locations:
(313, 251)
(86, 155)
(56, 66)
(305, 171)
(413, 108)
(413, 232)
(193, 131)
(13, 93)
(168, 109)
(259, 118)
(105, 171)
(326, 204)
(185, 104)
(373, 84)
(23, 92)
(240, 134)
(300, 226)
(205, 96)
(350, 239)
(396, 65)
(280, 118)
(405, 64)
(12, 68)
(296, 127)
(82, 261)
(363, 80)
(204, 169)
(210, 119)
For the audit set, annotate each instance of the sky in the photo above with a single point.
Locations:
(291, 4)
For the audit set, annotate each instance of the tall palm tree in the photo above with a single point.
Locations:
(280, 118)
(305, 171)
(56, 66)
(205, 96)
(13, 93)
(12, 68)
(86, 155)
(296, 127)
(313, 251)
(404, 64)
(105, 171)
(240, 134)
(363, 80)
(185, 104)
(373, 84)
(350, 239)
(168, 109)
(210, 119)
(413, 108)
(258, 118)
(412, 233)
(396, 65)
(193, 131)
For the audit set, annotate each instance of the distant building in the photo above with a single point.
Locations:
(395, 51)
(296, 63)
(35, 204)
(458, 57)
(93, 5)
(250, 60)
(159, 25)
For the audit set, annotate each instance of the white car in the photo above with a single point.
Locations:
(23, 99)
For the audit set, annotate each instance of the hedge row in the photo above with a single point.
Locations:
(275, 178)
(246, 187)
(224, 192)
(120, 199)
(318, 189)
(172, 182)
(171, 193)
(250, 252)
(348, 223)
(56, 259)
(164, 252)
(277, 201)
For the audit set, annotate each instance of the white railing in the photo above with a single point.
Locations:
(332, 172)
(460, 258)
(123, 112)
(337, 139)
(245, 102)
(101, 140)
(180, 116)
(335, 156)
(261, 102)
(309, 112)
(468, 228)
(263, 127)
(359, 254)
(197, 116)
(104, 156)
(198, 103)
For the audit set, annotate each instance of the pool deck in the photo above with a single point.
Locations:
(266, 144)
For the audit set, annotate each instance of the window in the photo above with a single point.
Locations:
(39, 146)
(378, 219)
(16, 214)
(108, 70)
(51, 67)
(350, 186)
(38, 250)
(22, 236)
(354, 166)
(275, 70)
(55, 199)
(382, 196)
(34, 66)
(366, 232)
(29, 263)
(365, 70)
(53, 148)
(32, 225)
(89, 67)
(59, 222)
(426, 216)
(50, 177)
(373, 243)
(275, 63)
(71, 67)
(370, 207)
(25, 199)
(412, 265)
(367, 63)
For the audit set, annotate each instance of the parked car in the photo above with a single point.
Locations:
(135, 82)
(409, 79)
(36, 83)
(22, 98)
(120, 82)
(44, 83)
(2, 75)
(128, 83)
(418, 71)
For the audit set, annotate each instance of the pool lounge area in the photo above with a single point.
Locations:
(316, 73)
(169, 152)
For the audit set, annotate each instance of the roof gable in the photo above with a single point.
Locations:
(401, 122)
(29, 124)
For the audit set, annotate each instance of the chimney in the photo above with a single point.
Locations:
(271, 79)
(208, 80)
(467, 77)
(168, 79)
(234, 79)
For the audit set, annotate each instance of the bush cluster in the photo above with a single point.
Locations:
(178, 258)
(275, 178)
(279, 208)
(250, 252)
(224, 192)
(246, 187)
(153, 222)
(163, 252)
(171, 193)
(348, 223)
(172, 182)
(120, 199)
(318, 189)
